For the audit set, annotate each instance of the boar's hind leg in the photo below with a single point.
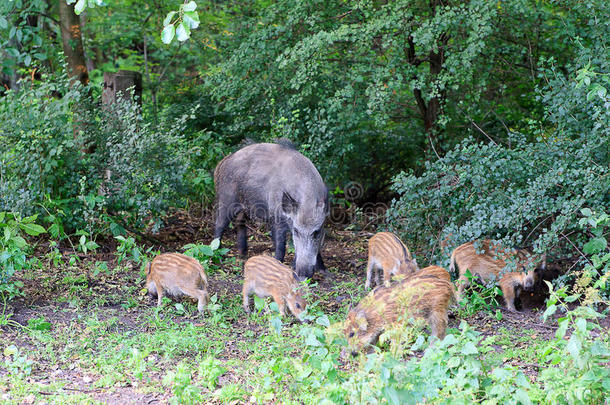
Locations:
(278, 235)
(224, 215)
(242, 234)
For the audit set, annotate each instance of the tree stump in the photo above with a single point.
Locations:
(118, 83)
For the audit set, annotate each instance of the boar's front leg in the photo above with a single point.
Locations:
(278, 235)
(320, 263)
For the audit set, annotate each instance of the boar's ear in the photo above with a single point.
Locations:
(289, 204)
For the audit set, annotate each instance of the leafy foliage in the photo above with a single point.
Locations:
(209, 255)
(133, 170)
(529, 193)
(14, 249)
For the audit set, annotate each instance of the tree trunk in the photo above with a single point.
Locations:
(72, 42)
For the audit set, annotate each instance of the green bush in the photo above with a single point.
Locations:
(71, 155)
(526, 193)
(576, 363)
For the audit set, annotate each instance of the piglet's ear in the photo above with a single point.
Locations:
(289, 204)
(543, 262)
(361, 320)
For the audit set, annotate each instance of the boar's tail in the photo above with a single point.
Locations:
(203, 276)
(148, 268)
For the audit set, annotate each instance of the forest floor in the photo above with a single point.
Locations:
(100, 339)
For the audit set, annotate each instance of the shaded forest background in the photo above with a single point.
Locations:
(468, 119)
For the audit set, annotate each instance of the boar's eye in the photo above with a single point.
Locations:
(298, 306)
(316, 234)
(351, 334)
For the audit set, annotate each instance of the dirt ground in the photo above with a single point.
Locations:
(345, 257)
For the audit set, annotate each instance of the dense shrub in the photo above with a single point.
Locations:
(528, 193)
(73, 155)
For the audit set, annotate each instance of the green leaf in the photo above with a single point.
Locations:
(82, 240)
(32, 229)
(312, 340)
(469, 348)
(80, 6)
(522, 397)
(595, 245)
(3, 23)
(27, 60)
(54, 231)
(39, 324)
(168, 18)
(190, 6)
(168, 33)
(191, 19)
(259, 303)
(215, 244)
(549, 311)
(206, 250)
(91, 245)
(574, 346)
(182, 32)
(453, 362)
(19, 242)
(323, 320)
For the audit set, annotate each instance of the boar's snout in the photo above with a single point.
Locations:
(304, 273)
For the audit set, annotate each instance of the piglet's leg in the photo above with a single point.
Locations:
(279, 300)
(159, 293)
(246, 298)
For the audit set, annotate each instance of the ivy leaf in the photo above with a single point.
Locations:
(168, 34)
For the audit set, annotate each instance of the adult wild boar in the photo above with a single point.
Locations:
(273, 182)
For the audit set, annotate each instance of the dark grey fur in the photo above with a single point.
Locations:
(276, 184)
